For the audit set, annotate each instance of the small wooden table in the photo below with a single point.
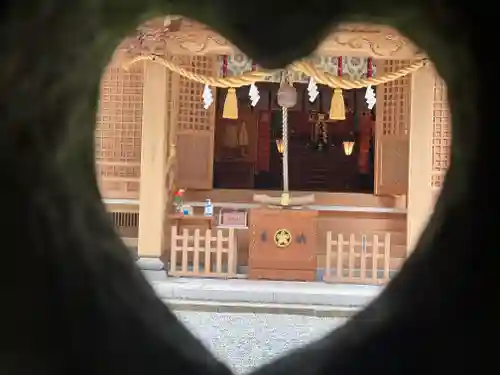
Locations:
(180, 219)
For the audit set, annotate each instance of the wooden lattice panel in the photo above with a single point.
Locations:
(195, 126)
(395, 116)
(392, 131)
(118, 132)
(192, 116)
(441, 135)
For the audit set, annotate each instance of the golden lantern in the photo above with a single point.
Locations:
(348, 147)
(279, 145)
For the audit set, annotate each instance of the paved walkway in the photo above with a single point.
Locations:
(214, 294)
(245, 341)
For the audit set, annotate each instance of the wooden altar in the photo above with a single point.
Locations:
(282, 244)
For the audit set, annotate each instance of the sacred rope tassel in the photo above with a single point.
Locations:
(231, 105)
(230, 110)
(337, 107)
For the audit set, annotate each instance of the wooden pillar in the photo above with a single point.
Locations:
(420, 192)
(154, 147)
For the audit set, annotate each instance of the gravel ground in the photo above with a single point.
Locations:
(246, 341)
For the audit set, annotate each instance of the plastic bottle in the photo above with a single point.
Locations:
(209, 208)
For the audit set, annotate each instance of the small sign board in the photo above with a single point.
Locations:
(233, 219)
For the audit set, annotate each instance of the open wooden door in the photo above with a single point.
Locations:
(195, 127)
(392, 131)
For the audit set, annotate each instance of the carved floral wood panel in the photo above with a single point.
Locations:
(441, 135)
(392, 131)
(182, 36)
(352, 67)
(118, 132)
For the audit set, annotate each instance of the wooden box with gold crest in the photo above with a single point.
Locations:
(282, 244)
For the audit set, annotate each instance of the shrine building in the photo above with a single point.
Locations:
(327, 170)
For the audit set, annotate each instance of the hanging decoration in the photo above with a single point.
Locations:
(253, 93)
(287, 98)
(337, 108)
(208, 98)
(312, 90)
(370, 93)
(230, 111)
(371, 100)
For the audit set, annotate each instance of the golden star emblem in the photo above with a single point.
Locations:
(282, 238)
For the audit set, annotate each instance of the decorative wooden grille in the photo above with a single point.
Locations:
(127, 225)
(195, 126)
(392, 131)
(202, 255)
(396, 98)
(118, 132)
(441, 136)
(358, 259)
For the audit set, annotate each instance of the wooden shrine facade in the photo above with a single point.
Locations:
(135, 104)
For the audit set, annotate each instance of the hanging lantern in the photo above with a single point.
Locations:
(348, 147)
(279, 145)
(287, 95)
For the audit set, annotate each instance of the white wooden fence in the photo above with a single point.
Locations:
(203, 255)
(358, 259)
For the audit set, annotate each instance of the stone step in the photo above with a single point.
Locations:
(261, 292)
(262, 308)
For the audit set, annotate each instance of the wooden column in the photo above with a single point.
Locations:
(154, 148)
(420, 191)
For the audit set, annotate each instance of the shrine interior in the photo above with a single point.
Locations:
(248, 150)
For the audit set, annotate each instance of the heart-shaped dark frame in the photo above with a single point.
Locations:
(73, 300)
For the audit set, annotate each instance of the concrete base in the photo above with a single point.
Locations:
(260, 292)
(150, 264)
(154, 264)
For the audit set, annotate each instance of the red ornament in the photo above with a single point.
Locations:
(224, 66)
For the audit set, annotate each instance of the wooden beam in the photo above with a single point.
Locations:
(192, 38)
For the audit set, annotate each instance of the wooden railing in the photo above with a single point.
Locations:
(202, 255)
(358, 259)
